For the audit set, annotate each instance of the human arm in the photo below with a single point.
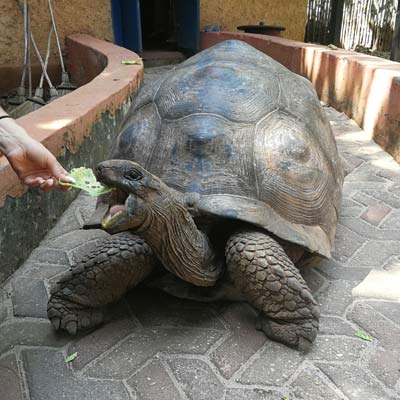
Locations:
(33, 163)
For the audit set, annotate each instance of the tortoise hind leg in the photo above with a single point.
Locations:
(100, 278)
(272, 284)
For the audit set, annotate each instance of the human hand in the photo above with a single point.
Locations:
(36, 166)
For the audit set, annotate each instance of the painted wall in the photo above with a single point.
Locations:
(72, 16)
(232, 13)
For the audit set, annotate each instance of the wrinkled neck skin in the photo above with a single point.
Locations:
(173, 235)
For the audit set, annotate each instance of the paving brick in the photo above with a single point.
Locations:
(376, 325)
(99, 341)
(29, 298)
(46, 255)
(84, 213)
(340, 349)
(244, 342)
(336, 297)
(385, 365)
(392, 221)
(365, 198)
(253, 394)
(368, 231)
(389, 309)
(375, 253)
(197, 379)
(376, 213)
(346, 243)
(155, 308)
(312, 278)
(143, 344)
(273, 366)
(36, 270)
(333, 270)
(50, 378)
(29, 333)
(355, 382)
(352, 161)
(351, 211)
(3, 305)
(10, 387)
(329, 325)
(365, 173)
(311, 384)
(67, 223)
(77, 238)
(152, 382)
(385, 196)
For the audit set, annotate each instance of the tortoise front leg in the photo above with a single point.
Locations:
(99, 278)
(272, 284)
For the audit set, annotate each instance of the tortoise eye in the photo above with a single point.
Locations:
(134, 175)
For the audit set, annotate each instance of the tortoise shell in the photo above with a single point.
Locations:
(250, 136)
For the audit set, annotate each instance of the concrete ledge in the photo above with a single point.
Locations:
(366, 88)
(78, 128)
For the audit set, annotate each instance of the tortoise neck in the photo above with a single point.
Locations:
(182, 248)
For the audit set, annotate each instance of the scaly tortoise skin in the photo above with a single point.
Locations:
(226, 174)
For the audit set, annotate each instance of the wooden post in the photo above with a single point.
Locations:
(395, 54)
(335, 24)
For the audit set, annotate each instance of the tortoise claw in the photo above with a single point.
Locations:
(71, 328)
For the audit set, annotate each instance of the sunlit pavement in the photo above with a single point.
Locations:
(159, 347)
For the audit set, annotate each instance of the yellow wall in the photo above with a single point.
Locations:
(72, 16)
(232, 13)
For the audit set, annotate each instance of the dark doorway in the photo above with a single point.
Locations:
(158, 24)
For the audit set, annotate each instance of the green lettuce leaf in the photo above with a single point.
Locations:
(85, 180)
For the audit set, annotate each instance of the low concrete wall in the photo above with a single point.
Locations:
(78, 128)
(366, 88)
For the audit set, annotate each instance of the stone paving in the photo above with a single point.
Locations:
(161, 348)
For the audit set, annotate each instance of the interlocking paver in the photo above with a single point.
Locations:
(197, 379)
(29, 298)
(377, 325)
(311, 384)
(273, 366)
(243, 343)
(331, 325)
(385, 365)
(355, 383)
(346, 244)
(152, 381)
(336, 297)
(29, 333)
(333, 270)
(161, 348)
(10, 387)
(125, 359)
(253, 394)
(337, 348)
(50, 378)
(376, 213)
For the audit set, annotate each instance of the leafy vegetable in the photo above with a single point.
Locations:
(364, 336)
(85, 180)
(71, 357)
(138, 61)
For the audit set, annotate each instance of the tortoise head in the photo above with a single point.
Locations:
(136, 192)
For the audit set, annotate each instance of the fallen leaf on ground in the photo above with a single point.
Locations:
(364, 336)
(71, 357)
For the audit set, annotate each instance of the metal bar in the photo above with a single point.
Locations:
(395, 54)
(336, 21)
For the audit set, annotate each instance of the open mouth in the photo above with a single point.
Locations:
(117, 209)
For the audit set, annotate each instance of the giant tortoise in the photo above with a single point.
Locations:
(226, 175)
